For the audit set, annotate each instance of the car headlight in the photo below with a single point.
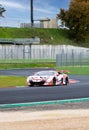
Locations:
(28, 78)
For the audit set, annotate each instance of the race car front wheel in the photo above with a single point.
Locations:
(54, 81)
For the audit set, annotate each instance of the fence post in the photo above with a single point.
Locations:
(80, 58)
(30, 45)
(23, 51)
(72, 57)
(58, 63)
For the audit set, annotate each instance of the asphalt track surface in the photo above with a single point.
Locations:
(26, 94)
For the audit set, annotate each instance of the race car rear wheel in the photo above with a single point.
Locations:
(66, 81)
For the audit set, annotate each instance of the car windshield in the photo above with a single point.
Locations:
(48, 73)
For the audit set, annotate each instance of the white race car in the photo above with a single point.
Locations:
(48, 78)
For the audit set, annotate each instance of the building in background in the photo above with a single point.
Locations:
(48, 23)
(42, 23)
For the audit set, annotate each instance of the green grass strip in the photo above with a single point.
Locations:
(43, 103)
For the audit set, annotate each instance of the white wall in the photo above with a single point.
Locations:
(38, 51)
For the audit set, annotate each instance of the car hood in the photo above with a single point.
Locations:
(40, 77)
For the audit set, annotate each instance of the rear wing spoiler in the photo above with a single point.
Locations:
(64, 71)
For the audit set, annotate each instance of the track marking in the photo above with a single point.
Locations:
(73, 81)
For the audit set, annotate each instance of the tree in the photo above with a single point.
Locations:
(1, 11)
(76, 18)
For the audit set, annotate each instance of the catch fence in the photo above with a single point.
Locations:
(62, 55)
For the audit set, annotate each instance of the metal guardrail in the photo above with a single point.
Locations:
(34, 40)
(6, 40)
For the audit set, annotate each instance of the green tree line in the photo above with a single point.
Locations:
(76, 18)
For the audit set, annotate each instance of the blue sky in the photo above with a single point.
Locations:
(18, 11)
